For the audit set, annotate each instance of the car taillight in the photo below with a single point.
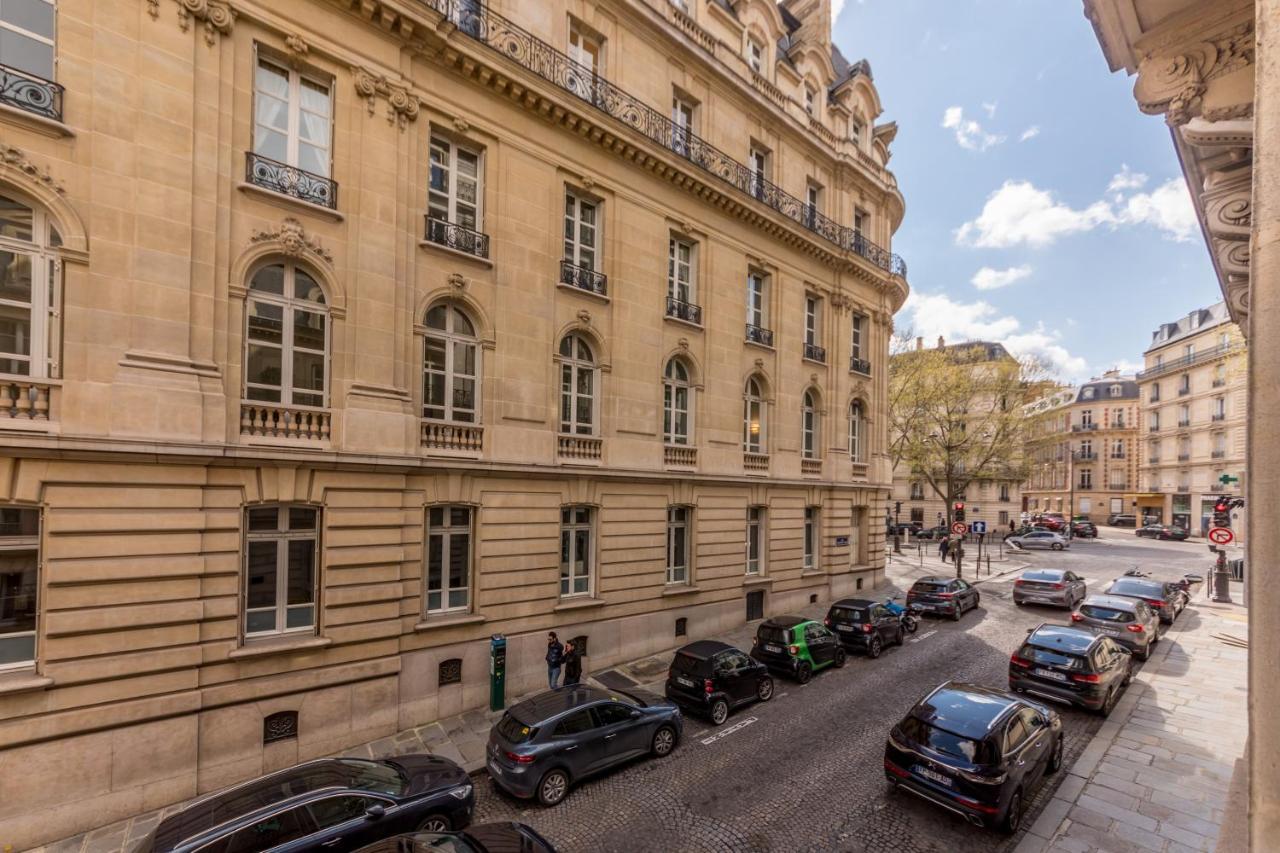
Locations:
(1086, 678)
(866, 629)
(1076, 617)
(1059, 586)
(794, 650)
(895, 769)
(826, 622)
(707, 686)
(1019, 582)
(1017, 661)
(945, 595)
(520, 759)
(1155, 603)
(1137, 629)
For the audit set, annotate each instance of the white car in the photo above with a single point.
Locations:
(1040, 539)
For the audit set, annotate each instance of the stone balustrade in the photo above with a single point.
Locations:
(756, 462)
(267, 420)
(859, 470)
(678, 456)
(811, 467)
(25, 400)
(580, 447)
(463, 438)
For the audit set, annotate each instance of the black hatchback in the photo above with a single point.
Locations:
(501, 837)
(1071, 665)
(864, 625)
(943, 596)
(974, 751)
(324, 805)
(712, 678)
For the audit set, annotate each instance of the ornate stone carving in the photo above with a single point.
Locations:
(461, 125)
(458, 280)
(588, 182)
(1175, 84)
(216, 15)
(683, 343)
(153, 9)
(759, 363)
(297, 47)
(1233, 257)
(584, 317)
(402, 105)
(293, 241)
(15, 158)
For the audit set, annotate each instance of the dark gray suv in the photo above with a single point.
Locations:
(543, 745)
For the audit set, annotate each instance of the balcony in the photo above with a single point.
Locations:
(860, 365)
(1184, 423)
(1184, 457)
(1153, 460)
(1153, 428)
(1083, 427)
(453, 438)
(517, 45)
(759, 335)
(30, 93)
(26, 403)
(1117, 455)
(1182, 392)
(290, 181)
(679, 456)
(1219, 383)
(579, 448)
(1184, 488)
(813, 352)
(811, 467)
(1188, 360)
(686, 311)
(858, 470)
(296, 423)
(584, 278)
(755, 463)
(457, 238)
(1218, 454)
(1086, 456)
(1218, 416)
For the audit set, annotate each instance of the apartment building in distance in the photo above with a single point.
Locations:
(337, 338)
(1082, 449)
(1193, 419)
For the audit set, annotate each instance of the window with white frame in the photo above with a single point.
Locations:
(293, 117)
(917, 491)
(855, 132)
(1219, 408)
(810, 421)
(577, 534)
(810, 538)
(30, 290)
(755, 539)
(1115, 390)
(1154, 420)
(861, 222)
(758, 161)
(812, 202)
(681, 278)
(286, 338)
(753, 425)
(810, 99)
(455, 193)
(19, 586)
(450, 366)
(856, 347)
(449, 537)
(755, 54)
(282, 545)
(812, 320)
(581, 231)
(757, 299)
(681, 124)
(678, 524)
(27, 33)
(855, 431)
(677, 403)
(1086, 478)
(586, 48)
(1184, 415)
(578, 378)
(1155, 392)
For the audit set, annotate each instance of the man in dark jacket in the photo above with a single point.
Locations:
(572, 664)
(555, 657)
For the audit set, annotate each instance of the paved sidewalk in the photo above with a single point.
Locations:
(1157, 774)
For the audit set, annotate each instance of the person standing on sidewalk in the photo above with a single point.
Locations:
(943, 547)
(572, 664)
(555, 658)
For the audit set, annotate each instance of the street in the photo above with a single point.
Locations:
(803, 772)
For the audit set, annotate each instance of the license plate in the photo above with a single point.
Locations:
(932, 775)
(494, 768)
(685, 681)
(844, 627)
(1048, 673)
(774, 649)
(1111, 632)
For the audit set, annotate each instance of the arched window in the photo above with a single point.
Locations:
(578, 379)
(30, 290)
(677, 404)
(753, 418)
(855, 431)
(450, 367)
(286, 338)
(809, 426)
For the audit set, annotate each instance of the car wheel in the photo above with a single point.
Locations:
(910, 623)
(664, 740)
(875, 647)
(902, 636)
(1055, 760)
(804, 673)
(1017, 603)
(840, 658)
(1057, 546)
(1013, 817)
(977, 600)
(719, 712)
(1128, 676)
(764, 690)
(1145, 654)
(1108, 703)
(956, 613)
(553, 788)
(435, 823)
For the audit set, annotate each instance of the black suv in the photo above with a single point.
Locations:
(713, 678)
(864, 625)
(975, 751)
(1122, 520)
(1071, 665)
(944, 596)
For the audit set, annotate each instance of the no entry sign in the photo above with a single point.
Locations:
(959, 528)
(1221, 535)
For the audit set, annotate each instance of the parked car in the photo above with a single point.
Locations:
(1085, 529)
(1049, 586)
(544, 745)
(1162, 531)
(1131, 622)
(1122, 519)
(944, 596)
(503, 837)
(905, 528)
(797, 646)
(1040, 539)
(1024, 530)
(712, 678)
(974, 751)
(1165, 598)
(866, 626)
(1052, 520)
(939, 532)
(322, 805)
(1071, 665)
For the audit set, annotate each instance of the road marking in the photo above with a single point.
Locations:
(926, 635)
(724, 733)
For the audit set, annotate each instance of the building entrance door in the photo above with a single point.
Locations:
(755, 605)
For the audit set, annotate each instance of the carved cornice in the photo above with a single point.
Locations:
(402, 105)
(217, 16)
(291, 240)
(16, 158)
(1175, 83)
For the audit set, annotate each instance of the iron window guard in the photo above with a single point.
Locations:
(30, 93)
(290, 180)
(583, 278)
(686, 311)
(452, 236)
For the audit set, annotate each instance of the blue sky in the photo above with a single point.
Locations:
(1043, 209)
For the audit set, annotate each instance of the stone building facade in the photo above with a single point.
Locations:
(339, 337)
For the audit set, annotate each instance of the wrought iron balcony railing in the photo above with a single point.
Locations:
(1182, 392)
(758, 335)
(813, 352)
(1218, 454)
(583, 278)
(1218, 416)
(504, 36)
(1187, 360)
(290, 180)
(1184, 457)
(1083, 427)
(686, 311)
(860, 365)
(31, 93)
(1086, 456)
(460, 239)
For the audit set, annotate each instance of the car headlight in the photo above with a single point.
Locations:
(461, 792)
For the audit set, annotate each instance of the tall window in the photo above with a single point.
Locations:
(810, 537)
(678, 544)
(286, 338)
(1154, 421)
(1219, 444)
(1086, 417)
(1184, 384)
(1117, 449)
(855, 132)
(681, 124)
(755, 539)
(758, 160)
(1004, 491)
(855, 339)
(680, 270)
(812, 320)
(677, 394)
(282, 548)
(455, 194)
(861, 222)
(27, 36)
(755, 55)
(1086, 478)
(30, 288)
(917, 491)
(753, 425)
(1184, 415)
(19, 586)
(810, 99)
(809, 426)
(855, 431)
(450, 367)
(578, 373)
(1155, 392)
(757, 306)
(576, 557)
(292, 118)
(448, 558)
(1219, 408)
(581, 231)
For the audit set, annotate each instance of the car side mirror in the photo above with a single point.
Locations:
(635, 715)
(375, 812)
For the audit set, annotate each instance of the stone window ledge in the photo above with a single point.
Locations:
(752, 580)
(813, 573)
(282, 200)
(433, 246)
(23, 681)
(582, 291)
(281, 646)
(681, 589)
(37, 123)
(582, 603)
(450, 620)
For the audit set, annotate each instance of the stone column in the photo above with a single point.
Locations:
(1263, 544)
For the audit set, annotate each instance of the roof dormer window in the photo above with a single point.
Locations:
(755, 55)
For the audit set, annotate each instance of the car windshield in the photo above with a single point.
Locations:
(1108, 614)
(381, 777)
(514, 730)
(849, 614)
(1049, 657)
(687, 664)
(1042, 575)
(940, 740)
(1142, 589)
(773, 634)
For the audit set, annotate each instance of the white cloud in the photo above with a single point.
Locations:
(1030, 133)
(1044, 346)
(969, 134)
(1019, 213)
(1126, 179)
(990, 108)
(994, 279)
(1167, 207)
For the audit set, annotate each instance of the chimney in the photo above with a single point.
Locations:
(919, 344)
(941, 343)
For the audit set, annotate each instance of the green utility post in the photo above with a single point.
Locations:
(497, 672)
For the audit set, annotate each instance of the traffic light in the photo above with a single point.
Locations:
(897, 507)
(958, 511)
(1222, 512)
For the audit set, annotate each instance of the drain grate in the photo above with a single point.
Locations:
(613, 678)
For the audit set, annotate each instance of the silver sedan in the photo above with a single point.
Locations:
(1049, 586)
(1040, 539)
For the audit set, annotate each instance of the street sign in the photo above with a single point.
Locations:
(978, 527)
(842, 541)
(1221, 535)
(959, 528)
